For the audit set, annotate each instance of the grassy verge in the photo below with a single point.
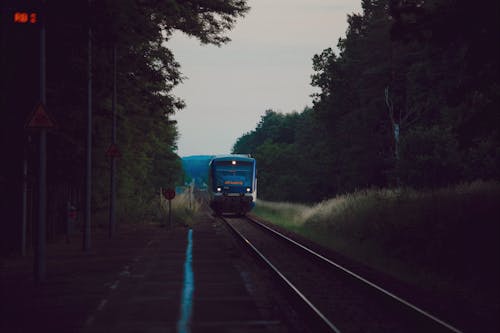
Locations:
(155, 211)
(446, 238)
(184, 210)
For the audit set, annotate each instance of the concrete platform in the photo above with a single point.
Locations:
(152, 296)
(136, 282)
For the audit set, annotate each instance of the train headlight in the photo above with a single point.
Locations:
(219, 189)
(249, 190)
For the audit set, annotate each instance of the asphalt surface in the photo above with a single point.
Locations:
(138, 282)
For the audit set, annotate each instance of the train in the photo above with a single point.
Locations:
(232, 184)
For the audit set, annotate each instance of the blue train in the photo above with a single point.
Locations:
(232, 184)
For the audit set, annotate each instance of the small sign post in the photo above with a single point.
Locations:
(40, 120)
(113, 152)
(169, 194)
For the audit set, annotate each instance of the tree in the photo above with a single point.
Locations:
(414, 68)
(147, 73)
(425, 69)
(460, 64)
(292, 156)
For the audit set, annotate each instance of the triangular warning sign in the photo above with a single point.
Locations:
(113, 151)
(39, 118)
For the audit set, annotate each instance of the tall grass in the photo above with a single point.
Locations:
(154, 210)
(439, 237)
(184, 209)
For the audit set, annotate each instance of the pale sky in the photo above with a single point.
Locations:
(267, 65)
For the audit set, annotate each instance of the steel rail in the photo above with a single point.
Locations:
(326, 323)
(358, 277)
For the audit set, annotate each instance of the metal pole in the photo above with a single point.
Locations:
(114, 94)
(25, 205)
(86, 230)
(40, 257)
(40, 261)
(162, 223)
(112, 216)
(191, 195)
(68, 220)
(170, 214)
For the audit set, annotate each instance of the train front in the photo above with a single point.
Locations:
(233, 184)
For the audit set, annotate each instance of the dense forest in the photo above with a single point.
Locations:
(411, 98)
(85, 33)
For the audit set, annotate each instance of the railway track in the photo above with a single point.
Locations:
(330, 297)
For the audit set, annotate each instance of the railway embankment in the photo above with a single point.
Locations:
(444, 241)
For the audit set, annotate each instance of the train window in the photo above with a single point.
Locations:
(228, 173)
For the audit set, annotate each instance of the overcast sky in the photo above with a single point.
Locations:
(267, 65)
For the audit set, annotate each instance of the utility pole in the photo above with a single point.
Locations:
(112, 215)
(24, 217)
(41, 255)
(88, 187)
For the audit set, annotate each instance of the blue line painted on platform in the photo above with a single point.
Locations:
(184, 323)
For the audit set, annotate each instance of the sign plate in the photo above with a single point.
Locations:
(113, 151)
(39, 118)
(168, 193)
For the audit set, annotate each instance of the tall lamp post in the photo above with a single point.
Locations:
(40, 261)
(88, 177)
(112, 215)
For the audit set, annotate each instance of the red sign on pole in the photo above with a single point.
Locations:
(39, 118)
(168, 193)
(113, 151)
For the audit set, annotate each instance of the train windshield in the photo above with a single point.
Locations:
(228, 174)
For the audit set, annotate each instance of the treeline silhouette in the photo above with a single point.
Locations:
(146, 74)
(411, 98)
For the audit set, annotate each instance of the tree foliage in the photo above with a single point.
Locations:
(411, 98)
(277, 143)
(147, 73)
